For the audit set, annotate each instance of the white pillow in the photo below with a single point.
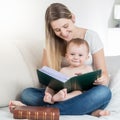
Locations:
(113, 66)
(14, 73)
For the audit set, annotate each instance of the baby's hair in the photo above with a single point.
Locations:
(78, 41)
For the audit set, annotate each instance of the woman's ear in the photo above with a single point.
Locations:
(73, 18)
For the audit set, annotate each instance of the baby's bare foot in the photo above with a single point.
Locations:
(60, 96)
(13, 104)
(48, 98)
(99, 113)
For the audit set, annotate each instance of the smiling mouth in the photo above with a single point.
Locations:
(75, 61)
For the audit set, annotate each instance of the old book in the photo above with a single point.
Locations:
(36, 113)
(58, 81)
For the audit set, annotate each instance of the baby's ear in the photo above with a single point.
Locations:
(88, 57)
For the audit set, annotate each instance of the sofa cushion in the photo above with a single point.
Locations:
(113, 66)
(14, 73)
(31, 51)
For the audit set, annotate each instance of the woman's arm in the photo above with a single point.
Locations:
(44, 58)
(99, 63)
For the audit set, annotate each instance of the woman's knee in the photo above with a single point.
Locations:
(26, 94)
(104, 92)
(32, 96)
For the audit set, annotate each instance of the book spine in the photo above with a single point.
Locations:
(36, 115)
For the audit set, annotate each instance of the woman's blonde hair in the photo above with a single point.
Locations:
(55, 46)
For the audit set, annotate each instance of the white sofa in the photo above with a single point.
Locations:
(18, 63)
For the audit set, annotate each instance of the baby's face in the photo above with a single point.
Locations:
(77, 54)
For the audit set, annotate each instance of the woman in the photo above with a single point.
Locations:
(60, 29)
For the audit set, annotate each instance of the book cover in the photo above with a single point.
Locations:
(36, 113)
(58, 81)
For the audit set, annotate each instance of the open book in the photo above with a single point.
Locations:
(58, 81)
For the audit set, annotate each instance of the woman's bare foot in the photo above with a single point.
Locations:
(48, 98)
(60, 96)
(13, 104)
(99, 113)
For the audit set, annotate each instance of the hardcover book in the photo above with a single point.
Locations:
(58, 81)
(36, 113)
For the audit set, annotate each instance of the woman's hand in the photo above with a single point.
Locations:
(99, 63)
(103, 80)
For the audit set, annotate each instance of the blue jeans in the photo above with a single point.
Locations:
(96, 98)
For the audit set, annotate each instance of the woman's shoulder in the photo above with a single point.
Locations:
(87, 30)
(94, 40)
(90, 32)
(92, 36)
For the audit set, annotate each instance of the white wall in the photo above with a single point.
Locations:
(21, 19)
(24, 19)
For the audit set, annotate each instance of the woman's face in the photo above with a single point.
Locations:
(63, 28)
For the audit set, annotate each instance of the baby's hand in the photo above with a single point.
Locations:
(78, 73)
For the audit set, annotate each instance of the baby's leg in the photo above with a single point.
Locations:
(48, 98)
(73, 94)
(63, 95)
(60, 96)
(13, 104)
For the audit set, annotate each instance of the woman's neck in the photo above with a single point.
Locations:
(79, 32)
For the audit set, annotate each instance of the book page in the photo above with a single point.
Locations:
(53, 73)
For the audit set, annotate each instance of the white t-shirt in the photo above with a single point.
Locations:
(93, 40)
(95, 43)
